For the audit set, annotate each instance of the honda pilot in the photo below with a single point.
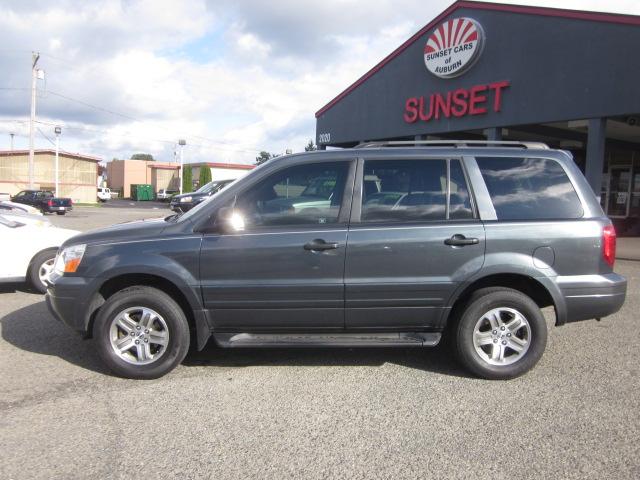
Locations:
(392, 244)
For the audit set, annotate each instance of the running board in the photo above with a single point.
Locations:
(412, 339)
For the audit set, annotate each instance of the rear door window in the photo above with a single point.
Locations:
(414, 190)
(529, 188)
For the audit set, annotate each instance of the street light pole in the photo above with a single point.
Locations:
(34, 79)
(12, 134)
(58, 131)
(182, 143)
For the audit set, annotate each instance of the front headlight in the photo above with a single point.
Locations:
(69, 259)
(186, 199)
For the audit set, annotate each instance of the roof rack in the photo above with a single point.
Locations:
(454, 143)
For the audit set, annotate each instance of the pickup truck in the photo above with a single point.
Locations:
(44, 201)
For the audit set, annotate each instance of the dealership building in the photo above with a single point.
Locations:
(487, 71)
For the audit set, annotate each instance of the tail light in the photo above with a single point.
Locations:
(609, 244)
(50, 203)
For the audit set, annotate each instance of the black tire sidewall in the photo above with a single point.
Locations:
(163, 305)
(480, 305)
(33, 273)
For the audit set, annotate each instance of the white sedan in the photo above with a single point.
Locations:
(7, 206)
(28, 250)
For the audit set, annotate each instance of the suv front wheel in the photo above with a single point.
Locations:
(142, 333)
(500, 334)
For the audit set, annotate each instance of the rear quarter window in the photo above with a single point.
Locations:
(529, 188)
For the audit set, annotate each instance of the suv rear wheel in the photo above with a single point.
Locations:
(141, 333)
(500, 334)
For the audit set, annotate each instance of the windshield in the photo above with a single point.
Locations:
(211, 186)
(217, 188)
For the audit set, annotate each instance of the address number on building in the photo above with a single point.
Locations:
(324, 138)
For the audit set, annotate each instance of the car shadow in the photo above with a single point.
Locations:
(16, 287)
(437, 359)
(33, 329)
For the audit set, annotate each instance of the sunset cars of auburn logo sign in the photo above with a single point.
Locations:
(453, 47)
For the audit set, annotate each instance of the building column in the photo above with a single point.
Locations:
(595, 154)
(494, 134)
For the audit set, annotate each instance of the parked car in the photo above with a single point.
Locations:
(38, 220)
(29, 247)
(8, 206)
(487, 235)
(164, 195)
(104, 194)
(44, 201)
(186, 201)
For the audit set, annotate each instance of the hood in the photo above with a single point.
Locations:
(138, 229)
(191, 194)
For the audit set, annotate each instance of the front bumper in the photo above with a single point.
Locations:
(68, 300)
(592, 296)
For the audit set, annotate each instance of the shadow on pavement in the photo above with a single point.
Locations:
(33, 329)
(15, 287)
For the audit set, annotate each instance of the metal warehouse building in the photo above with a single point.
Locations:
(77, 174)
(507, 72)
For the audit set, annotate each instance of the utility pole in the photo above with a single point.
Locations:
(12, 134)
(182, 143)
(34, 80)
(58, 131)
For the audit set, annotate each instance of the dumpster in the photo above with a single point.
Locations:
(141, 192)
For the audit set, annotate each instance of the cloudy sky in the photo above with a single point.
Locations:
(231, 77)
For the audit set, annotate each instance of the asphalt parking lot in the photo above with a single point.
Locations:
(386, 413)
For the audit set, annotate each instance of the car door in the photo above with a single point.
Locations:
(285, 270)
(414, 237)
(15, 252)
(23, 197)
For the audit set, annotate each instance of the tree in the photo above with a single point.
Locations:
(205, 175)
(141, 156)
(263, 157)
(311, 147)
(187, 179)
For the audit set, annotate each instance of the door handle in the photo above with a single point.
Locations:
(318, 245)
(459, 240)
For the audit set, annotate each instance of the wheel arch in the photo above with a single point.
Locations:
(540, 290)
(33, 257)
(198, 326)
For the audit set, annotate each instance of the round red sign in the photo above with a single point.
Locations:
(453, 47)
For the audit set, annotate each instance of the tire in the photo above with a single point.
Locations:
(61, 213)
(166, 316)
(490, 343)
(42, 261)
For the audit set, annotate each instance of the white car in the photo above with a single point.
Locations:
(28, 251)
(6, 206)
(165, 194)
(26, 218)
(104, 194)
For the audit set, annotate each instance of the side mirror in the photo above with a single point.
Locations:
(230, 220)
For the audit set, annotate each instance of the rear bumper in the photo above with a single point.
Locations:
(58, 208)
(592, 296)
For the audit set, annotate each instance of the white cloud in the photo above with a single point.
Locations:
(229, 76)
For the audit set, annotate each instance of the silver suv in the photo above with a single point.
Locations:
(388, 244)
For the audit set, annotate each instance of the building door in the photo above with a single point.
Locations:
(619, 192)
